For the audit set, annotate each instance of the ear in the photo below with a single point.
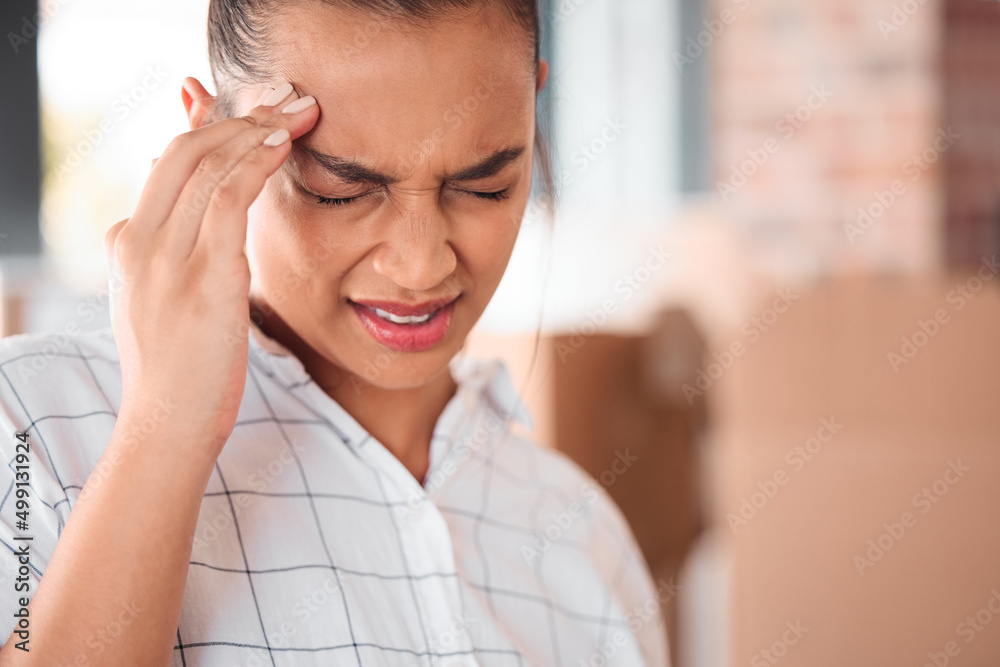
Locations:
(198, 102)
(543, 74)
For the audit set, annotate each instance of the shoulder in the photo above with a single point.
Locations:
(60, 382)
(59, 390)
(58, 372)
(38, 364)
(62, 388)
(577, 524)
(532, 469)
(573, 512)
(580, 495)
(25, 358)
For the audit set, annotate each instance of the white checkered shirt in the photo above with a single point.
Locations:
(316, 546)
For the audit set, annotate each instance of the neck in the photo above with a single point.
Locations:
(414, 411)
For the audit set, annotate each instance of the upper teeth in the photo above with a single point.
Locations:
(405, 319)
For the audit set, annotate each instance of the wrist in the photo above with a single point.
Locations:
(162, 428)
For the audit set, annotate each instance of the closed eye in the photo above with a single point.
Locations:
(499, 195)
(336, 201)
(339, 201)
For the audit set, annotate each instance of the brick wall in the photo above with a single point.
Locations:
(971, 69)
(821, 107)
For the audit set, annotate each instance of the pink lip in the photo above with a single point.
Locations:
(406, 337)
(403, 309)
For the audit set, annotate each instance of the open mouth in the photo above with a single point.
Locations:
(406, 328)
(404, 319)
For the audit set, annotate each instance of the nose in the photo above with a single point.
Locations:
(417, 255)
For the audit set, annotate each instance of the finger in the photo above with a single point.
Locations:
(223, 230)
(182, 228)
(275, 96)
(263, 96)
(153, 163)
(110, 237)
(180, 158)
(110, 241)
(164, 186)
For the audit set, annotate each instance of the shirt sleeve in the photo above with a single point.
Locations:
(642, 600)
(30, 521)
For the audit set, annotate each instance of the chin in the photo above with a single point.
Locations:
(390, 355)
(393, 370)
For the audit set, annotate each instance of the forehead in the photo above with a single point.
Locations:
(390, 90)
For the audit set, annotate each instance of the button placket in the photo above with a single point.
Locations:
(429, 552)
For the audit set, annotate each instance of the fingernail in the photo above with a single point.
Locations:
(276, 95)
(263, 96)
(277, 138)
(300, 104)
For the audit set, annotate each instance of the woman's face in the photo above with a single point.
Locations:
(424, 146)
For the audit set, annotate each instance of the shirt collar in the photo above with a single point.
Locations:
(265, 343)
(491, 379)
(475, 378)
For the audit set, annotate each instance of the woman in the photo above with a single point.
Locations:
(299, 468)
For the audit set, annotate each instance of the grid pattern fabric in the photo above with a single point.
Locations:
(315, 546)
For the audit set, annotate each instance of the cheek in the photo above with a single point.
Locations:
(485, 245)
(486, 232)
(293, 246)
(285, 259)
(269, 245)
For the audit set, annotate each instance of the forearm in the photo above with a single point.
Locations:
(122, 558)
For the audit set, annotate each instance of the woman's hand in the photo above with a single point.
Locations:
(181, 317)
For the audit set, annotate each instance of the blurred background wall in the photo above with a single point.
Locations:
(767, 313)
(840, 504)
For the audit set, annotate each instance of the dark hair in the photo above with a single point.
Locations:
(237, 30)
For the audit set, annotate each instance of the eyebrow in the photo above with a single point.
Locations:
(352, 171)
